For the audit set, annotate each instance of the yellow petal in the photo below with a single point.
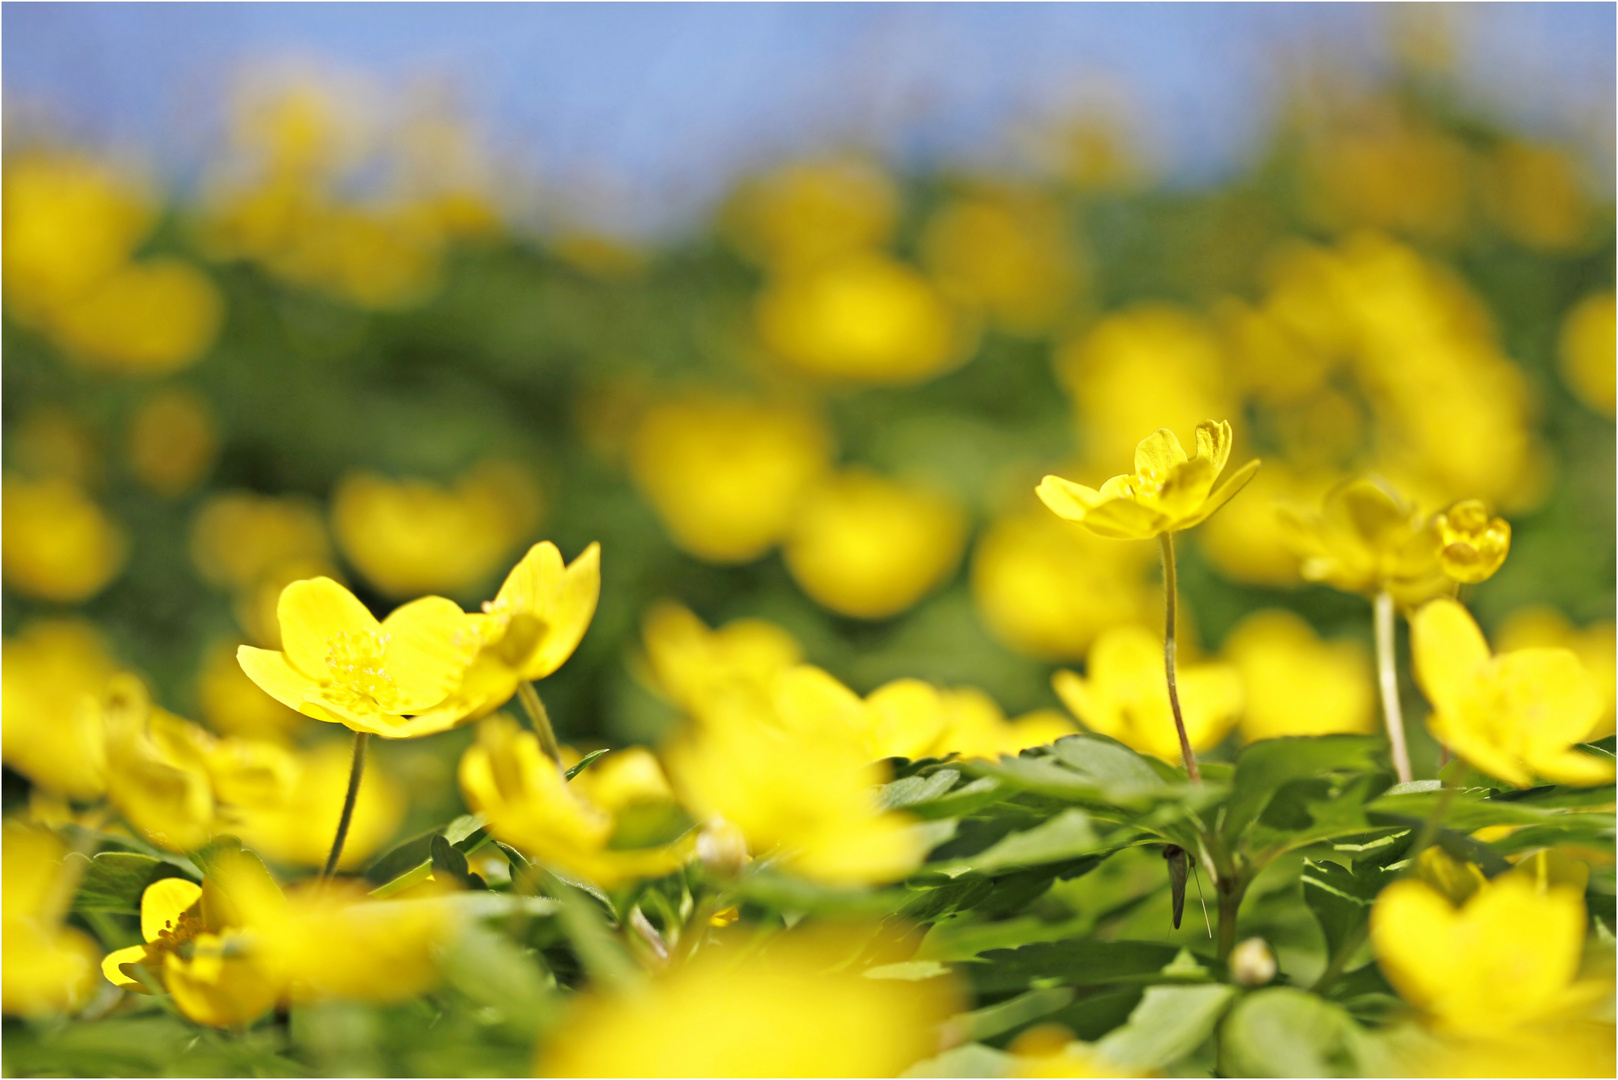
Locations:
(1067, 499)
(1574, 768)
(1479, 749)
(112, 967)
(906, 719)
(1554, 694)
(217, 987)
(430, 644)
(1076, 694)
(277, 678)
(530, 582)
(1449, 653)
(1213, 442)
(1411, 929)
(1225, 492)
(571, 606)
(810, 701)
(1124, 519)
(1159, 452)
(163, 902)
(311, 614)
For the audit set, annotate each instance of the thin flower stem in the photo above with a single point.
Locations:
(1388, 677)
(540, 719)
(1165, 543)
(354, 772)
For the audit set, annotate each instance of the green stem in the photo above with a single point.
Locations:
(1388, 677)
(1170, 590)
(354, 772)
(540, 719)
(1230, 902)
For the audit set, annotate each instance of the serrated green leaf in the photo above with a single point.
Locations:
(1170, 1023)
(114, 881)
(1340, 899)
(1284, 1031)
(1066, 836)
(1068, 963)
(916, 789)
(1264, 767)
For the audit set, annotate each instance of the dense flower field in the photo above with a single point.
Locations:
(437, 647)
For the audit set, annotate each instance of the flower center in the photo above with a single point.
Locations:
(358, 677)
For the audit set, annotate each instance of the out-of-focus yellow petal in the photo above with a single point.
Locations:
(1449, 652)
(311, 614)
(112, 967)
(906, 719)
(220, 984)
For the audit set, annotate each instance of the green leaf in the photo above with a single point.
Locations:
(1170, 1023)
(911, 790)
(403, 859)
(1013, 1013)
(496, 973)
(1284, 1031)
(1476, 808)
(971, 1059)
(207, 857)
(114, 881)
(451, 863)
(1265, 766)
(1066, 836)
(584, 763)
(1083, 962)
(1341, 899)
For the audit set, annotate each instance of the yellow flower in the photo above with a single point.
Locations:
(506, 777)
(208, 965)
(292, 819)
(1471, 544)
(1367, 539)
(49, 968)
(50, 442)
(807, 212)
(525, 633)
(1007, 254)
(239, 538)
(1051, 1050)
(862, 318)
(232, 704)
(157, 774)
(53, 675)
(1514, 716)
(1248, 541)
(1506, 958)
(1124, 696)
(145, 318)
(1596, 646)
(869, 547)
(1047, 589)
(413, 536)
(791, 1009)
(342, 666)
(1536, 193)
(1580, 1048)
(1587, 349)
(58, 545)
(689, 661)
(172, 441)
(1295, 684)
(1167, 492)
(975, 726)
(725, 476)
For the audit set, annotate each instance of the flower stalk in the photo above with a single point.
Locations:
(1388, 678)
(349, 799)
(1165, 543)
(541, 719)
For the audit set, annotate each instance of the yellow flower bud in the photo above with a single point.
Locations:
(1471, 544)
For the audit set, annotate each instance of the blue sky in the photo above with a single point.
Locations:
(662, 102)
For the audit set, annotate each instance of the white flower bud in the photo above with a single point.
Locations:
(722, 848)
(1252, 963)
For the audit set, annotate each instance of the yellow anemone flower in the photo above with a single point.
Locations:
(1471, 544)
(343, 666)
(526, 632)
(1124, 696)
(689, 662)
(1167, 492)
(53, 673)
(1514, 716)
(49, 967)
(1297, 684)
(1367, 539)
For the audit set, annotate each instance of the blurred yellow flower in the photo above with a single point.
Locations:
(343, 666)
(49, 968)
(146, 318)
(1471, 544)
(1536, 194)
(1248, 541)
(1367, 539)
(1168, 491)
(1506, 958)
(975, 726)
(412, 536)
(293, 821)
(157, 769)
(1295, 684)
(1123, 695)
(1587, 350)
(173, 439)
(862, 318)
(1579, 1048)
(690, 662)
(870, 547)
(1008, 254)
(791, 1009)
(810, 211)
(507, 778)
(1385, 171)
(1047, 589)
(58, 544)
(240, 537)
(1267, 357)
(51, 442)
(232, 704)
(53, 675)
(1516, 716)
(1051, 1050)
(725, 476)
(1596, 647)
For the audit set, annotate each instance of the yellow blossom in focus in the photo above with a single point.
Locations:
(53, 675)
(1367, 539)
(1587, 350)
(1046, 589)
(293, 820)
(690, 662)
(507, 778)
(1515, 716)
(412, 536)
(58, 545)
(1506, 958)
(807, 212)
(1596, 647)
(1007, 255)
(1122, 695)
(1471, 544)
(1295, 684)
(1167, 492)
(49, 968)
(1146, 367)
(232, 704)
(862, 318)
(725, 476)
(146, 318)
(172, 441)
(870, 547)
(240, 537)
(343, 666)
(1536, 194)
(790, 1009)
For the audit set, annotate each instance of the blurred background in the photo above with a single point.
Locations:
(790, 307)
